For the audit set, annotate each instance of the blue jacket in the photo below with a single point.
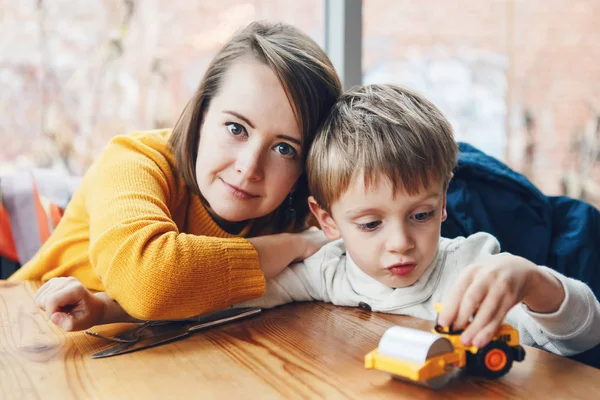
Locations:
(559, 232)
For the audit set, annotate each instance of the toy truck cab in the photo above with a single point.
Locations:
(495, 359)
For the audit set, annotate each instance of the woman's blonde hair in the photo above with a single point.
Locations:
(381, 130)
(309, 80)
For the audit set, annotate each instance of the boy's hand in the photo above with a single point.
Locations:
(69, 304)
(487, 290)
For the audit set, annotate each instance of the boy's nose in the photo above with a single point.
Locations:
(400, 241)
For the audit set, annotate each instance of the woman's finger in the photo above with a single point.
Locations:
(51, 286)
(41, 293)
(63, 320)
(62, 298)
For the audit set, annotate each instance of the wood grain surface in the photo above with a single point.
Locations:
(298, 351)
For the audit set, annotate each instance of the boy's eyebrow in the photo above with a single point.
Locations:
(246, 120)
(368, 210)
(430, 196)
(358, 211)
(433, 195)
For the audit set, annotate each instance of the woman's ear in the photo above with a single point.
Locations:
(327, 223)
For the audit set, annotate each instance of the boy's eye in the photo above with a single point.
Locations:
(235, 129)
(285, 150)
(424, 216)
(369, 226)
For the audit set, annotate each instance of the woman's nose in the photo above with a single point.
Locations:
(249, 164)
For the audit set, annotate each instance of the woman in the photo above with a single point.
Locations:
(176, 224)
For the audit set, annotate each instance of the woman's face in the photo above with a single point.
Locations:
(249, 153)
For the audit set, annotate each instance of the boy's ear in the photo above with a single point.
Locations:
(444, 212)
(327, 223)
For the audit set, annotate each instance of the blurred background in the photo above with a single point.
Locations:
(520, 79)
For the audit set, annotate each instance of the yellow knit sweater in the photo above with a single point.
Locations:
(134, 230)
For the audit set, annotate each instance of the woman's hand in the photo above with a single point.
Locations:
(69, 304)
(275, 252)
(487, 290)
(313, 239)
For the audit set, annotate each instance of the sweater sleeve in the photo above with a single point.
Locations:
(150, 268)
(572, 329)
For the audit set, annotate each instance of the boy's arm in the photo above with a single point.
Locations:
(303, 281)
(285, 288)
(562, 314)
(572, 328)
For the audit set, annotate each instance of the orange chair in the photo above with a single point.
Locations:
(28, 215)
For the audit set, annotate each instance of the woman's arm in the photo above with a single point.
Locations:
(154, 271)
(133, 195)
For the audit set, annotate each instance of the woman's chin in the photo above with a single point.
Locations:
(234, 215)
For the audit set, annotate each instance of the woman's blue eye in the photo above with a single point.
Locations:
(424, 216)
(285, 150)
(235, 129)
(369, 226)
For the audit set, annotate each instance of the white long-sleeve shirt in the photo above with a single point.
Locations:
(331, 276)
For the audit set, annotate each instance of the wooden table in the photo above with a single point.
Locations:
(308, 350)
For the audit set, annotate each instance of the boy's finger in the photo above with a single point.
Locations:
(453, 301)
(470, 303)
(488, 309)
(487, 333)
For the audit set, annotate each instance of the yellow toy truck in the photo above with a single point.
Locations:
(432, 359)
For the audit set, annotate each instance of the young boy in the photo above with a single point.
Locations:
(378, 172)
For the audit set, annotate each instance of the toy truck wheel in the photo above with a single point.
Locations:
(492, 361)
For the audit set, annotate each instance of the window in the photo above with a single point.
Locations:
(518, 79)
(75, 74)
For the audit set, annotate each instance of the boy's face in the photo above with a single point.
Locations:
(391, 236)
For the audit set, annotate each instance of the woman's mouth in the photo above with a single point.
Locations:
(238, 192)
(402, 269)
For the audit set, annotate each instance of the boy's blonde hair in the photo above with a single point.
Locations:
(381, 129)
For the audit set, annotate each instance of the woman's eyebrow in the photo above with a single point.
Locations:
(240, 116)
(291, 139)
(246, 120)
